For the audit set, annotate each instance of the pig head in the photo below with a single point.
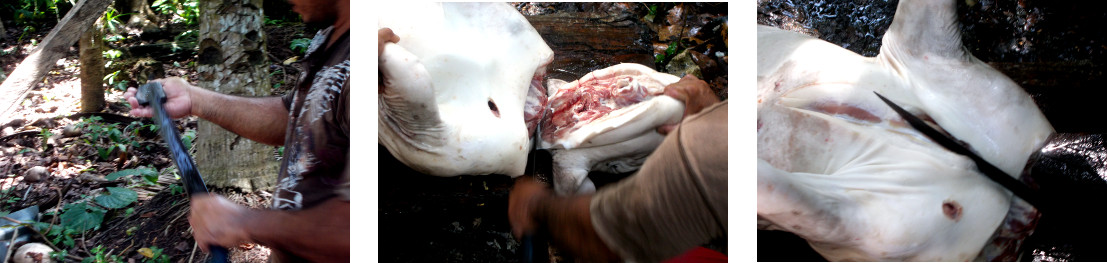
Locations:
(462, 91)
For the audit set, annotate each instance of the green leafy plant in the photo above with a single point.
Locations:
(117, 197)
(273, 21)
(111, 20)
(651, 14)
(114, 38)
(176, 189)
(147, 174)
(79, 217)
(27, 30)
(100, 256)
(107, 138)
(56, 234)
(154, 255)
(45, 135)
(300, 45)
(12, 200)
(669, 52)
(117, 85)
(182, 11)
(187, 138)
(9, 200)
(111, 55)
(82, 217)
(33, 10)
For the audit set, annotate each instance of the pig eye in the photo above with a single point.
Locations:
(492, 106)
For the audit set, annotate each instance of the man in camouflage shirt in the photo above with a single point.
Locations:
(311, 219)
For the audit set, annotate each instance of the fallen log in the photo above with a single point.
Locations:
(53, 47)
(585, 42)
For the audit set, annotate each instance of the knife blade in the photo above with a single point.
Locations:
(991, 171)
(151, 94)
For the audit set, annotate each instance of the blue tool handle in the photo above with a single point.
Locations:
(528, 248)
(218, 254)
(534, 248)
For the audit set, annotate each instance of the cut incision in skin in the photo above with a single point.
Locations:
(573, 106)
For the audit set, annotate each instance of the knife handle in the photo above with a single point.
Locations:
(534, 249)
(528, 248)
(218, 254)
(151, 94)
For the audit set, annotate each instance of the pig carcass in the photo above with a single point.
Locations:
(840, 169)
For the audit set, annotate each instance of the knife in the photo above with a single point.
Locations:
(540, 162)
(951, 144)
(151, 94)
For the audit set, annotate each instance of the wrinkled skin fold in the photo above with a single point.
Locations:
(840, 169)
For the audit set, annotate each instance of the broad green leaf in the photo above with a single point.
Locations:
(117, 197)
(128, 172)
(79, 217)
(187, 137)
(151, 178)
(300, 45)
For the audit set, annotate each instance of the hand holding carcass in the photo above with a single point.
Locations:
(695, 94)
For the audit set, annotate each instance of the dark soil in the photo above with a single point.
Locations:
(75, 172)
(424, 218)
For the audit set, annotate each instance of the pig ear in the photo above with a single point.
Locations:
(924, 28)
(408, 107)
(553, 85)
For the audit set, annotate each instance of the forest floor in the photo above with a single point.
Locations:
(61, 162)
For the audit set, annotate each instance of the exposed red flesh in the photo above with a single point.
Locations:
(533, 109)
(574, 106)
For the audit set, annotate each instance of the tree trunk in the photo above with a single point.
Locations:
(53, 47)
(3, 32)
(232, 61)
(92, 69)
(140, 13)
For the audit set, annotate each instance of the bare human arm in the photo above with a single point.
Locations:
(678, 200)
(262, 119)
(319, 234)
(533, 207)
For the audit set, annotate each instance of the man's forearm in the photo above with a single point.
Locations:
(262, 119)
(319, 234)
(569, 223)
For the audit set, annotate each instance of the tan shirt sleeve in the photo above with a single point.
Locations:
(677, 201)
